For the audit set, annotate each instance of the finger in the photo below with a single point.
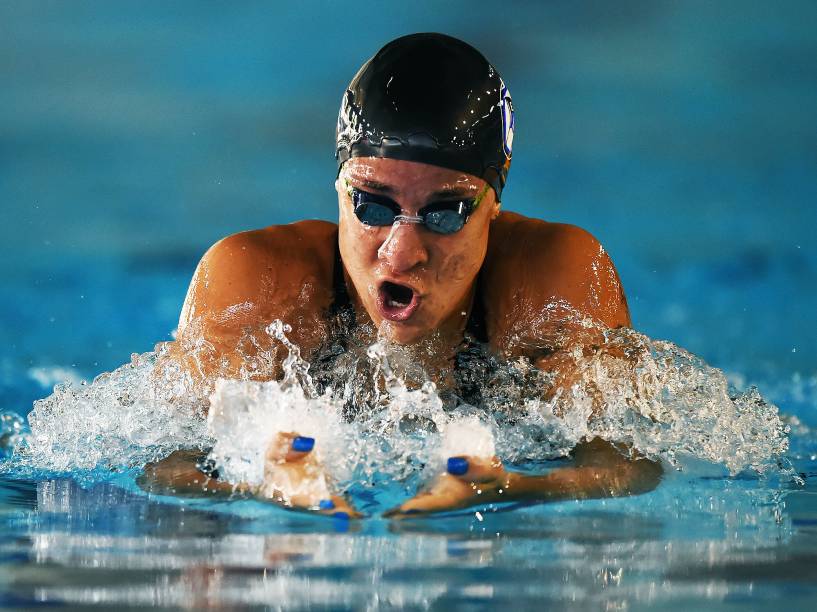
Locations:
(418, 506)
(288, 447)
(407, 510)
(339, 508)
(475, 469)
(399, 513)
(279, 446)
(457, 466)
(421, 505)
(335, 506)
(447, 493)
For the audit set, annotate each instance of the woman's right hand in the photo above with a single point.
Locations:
(294, 477)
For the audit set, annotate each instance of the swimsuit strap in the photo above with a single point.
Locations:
(475, 326)
(341, 301)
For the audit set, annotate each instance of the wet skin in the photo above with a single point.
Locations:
(526, 267)
(285, 462)
(440, 269)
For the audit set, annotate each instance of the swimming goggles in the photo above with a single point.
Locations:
(444, 217)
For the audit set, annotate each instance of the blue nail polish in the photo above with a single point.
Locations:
(326, 504)
(457, 465)
(302, 444)
(412, 511)
(344, 516)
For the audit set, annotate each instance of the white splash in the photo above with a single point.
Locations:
(655, 397)
(123, 419)
(246, 416)
(466, 436)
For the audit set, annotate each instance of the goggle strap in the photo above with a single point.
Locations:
(479, 197)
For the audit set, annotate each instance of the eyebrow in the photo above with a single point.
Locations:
(378, 186)
(448, 193)
(383, 187)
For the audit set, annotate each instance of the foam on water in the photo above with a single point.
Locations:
(122, 420)
(660, 400)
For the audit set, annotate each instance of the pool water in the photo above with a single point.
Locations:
(681, 135)
(726, 543)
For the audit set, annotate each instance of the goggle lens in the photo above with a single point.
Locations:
(446, 221)
(444, 218)
(372, 213)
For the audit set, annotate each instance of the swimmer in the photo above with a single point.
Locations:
(423, 255)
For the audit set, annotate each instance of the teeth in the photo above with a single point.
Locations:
(392, 304)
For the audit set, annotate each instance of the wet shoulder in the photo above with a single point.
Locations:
(308, 244)
(532, 265)
(265, 273)
(516, 239)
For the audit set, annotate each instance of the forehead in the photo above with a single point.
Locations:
(399, 175)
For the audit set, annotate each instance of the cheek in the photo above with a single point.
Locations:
(358, 249)
(458, 268)
(460, 262)
(358, 244)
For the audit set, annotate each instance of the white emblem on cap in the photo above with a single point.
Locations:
(506, 106)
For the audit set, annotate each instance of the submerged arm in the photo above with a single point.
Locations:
(183, 473)
(294, 478)
(600, 471)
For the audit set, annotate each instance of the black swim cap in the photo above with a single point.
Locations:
(429, 98)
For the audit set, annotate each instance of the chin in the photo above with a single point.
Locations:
(400, 333)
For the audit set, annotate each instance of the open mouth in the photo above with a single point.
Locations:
(396, 302)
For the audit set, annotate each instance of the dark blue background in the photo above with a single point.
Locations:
(133, 135)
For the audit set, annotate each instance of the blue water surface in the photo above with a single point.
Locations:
(132, 136)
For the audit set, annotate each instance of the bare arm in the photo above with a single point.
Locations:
(600, 471)
(242, 284)
(294, 478)
(183, 473)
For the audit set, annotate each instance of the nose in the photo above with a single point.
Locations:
(403, 249)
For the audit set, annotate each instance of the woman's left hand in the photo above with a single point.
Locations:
(601, 469)
(468, 481)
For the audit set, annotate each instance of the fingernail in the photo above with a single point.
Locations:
(457, 465)
(302, 444)
(344, 516)
(326, 504)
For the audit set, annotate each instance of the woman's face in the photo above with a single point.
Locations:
(410, 280)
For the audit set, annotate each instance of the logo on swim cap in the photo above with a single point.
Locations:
(506, 106)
